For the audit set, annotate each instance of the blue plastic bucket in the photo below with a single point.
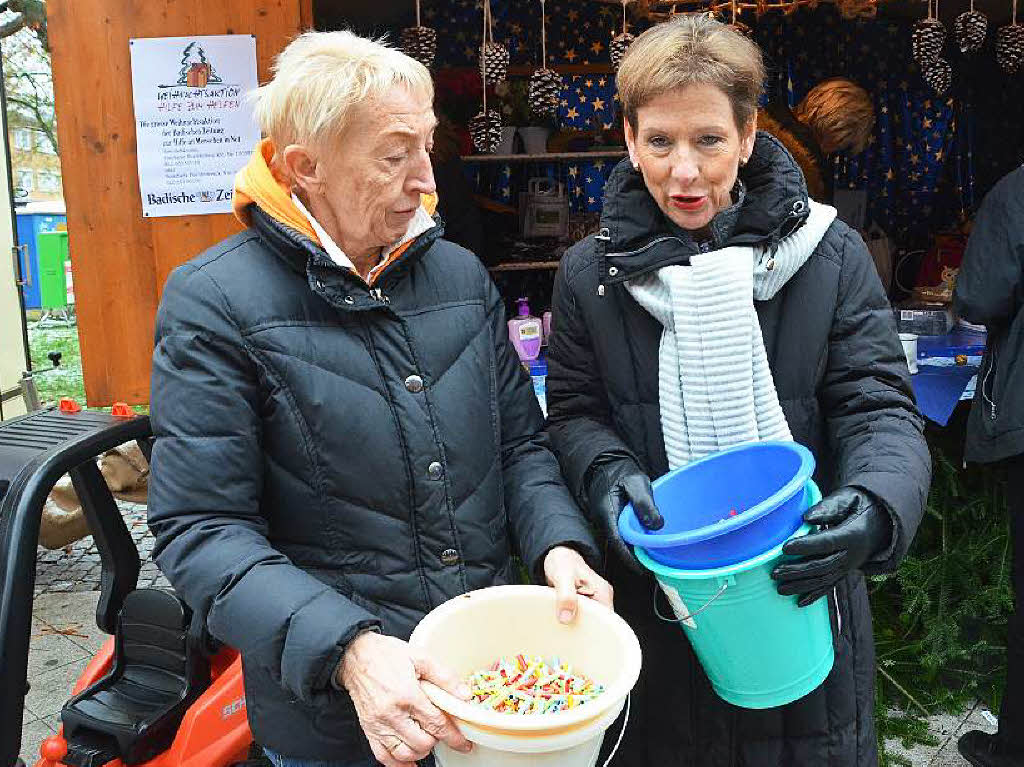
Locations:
(757, 647)
(727, 507)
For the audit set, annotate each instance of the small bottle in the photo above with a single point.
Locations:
(525, 332)
(546, 324)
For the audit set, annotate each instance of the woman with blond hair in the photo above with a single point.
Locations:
(717, 305)
(344, 436)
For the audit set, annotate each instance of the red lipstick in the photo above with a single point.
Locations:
(688, 202)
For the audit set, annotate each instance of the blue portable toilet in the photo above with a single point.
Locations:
(34, 218)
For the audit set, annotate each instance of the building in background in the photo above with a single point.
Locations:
(35, 165)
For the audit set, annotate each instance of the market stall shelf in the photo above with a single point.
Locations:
(547, 157)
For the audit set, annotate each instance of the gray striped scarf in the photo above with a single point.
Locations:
(715, 387)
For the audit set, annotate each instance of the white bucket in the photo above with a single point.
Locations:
(472, 631)
(909, 341)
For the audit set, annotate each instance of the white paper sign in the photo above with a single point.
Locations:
(194, 126)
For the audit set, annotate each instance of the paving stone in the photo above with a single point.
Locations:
(51, 689)
(975, 720)
(48, 650)
(942, 727)
(33, 733)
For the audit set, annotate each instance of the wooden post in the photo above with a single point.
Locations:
(121, 258)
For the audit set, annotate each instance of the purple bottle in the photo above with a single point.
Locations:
(525, 332)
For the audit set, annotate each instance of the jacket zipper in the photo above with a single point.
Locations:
(378, 294)
(990, 400)
(614, 270)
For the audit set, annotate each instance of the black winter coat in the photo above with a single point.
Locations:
(330, 458)
(843, 384)
(990, 291)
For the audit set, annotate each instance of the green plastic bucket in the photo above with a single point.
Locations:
(757, 647)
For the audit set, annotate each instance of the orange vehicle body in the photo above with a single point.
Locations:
(215, 730)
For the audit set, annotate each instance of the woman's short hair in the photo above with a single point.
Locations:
(692, 49)
(320, 76)
(839, 113)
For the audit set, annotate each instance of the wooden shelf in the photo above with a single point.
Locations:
(523, 266)
(549, 157)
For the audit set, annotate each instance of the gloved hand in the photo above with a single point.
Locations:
(858, 528)
(614, 481)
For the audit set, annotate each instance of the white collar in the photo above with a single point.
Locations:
(336, 254)
(420, 223)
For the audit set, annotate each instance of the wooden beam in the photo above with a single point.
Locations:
(121, 259)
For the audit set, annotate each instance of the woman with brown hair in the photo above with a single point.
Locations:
(718, 304)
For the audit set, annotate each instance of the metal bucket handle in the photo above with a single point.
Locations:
(695, 613)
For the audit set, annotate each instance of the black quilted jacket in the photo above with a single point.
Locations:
(990, 291)
(330, 458)
(843, 384)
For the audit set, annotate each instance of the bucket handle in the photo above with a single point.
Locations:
(615, 748)
(695, 613)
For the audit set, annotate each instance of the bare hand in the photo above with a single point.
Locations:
(382, 674)
(571, 577)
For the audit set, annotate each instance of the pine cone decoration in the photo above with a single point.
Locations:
(970, 29)
(545, 87)
(420, 43)
(617, 48)
(493, 63)
(485, 130)
(927, 41)
(938, 75)
(1010, 48)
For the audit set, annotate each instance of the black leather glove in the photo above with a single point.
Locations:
(614, 481)
(856, 528)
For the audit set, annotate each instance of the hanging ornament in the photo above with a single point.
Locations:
(494, 56)
(485, 130)
(938, 75)
(485, 127)
(1010, 45)
(545, 87)
(928, 37)
(617, 47)
(970, 29)
(420, 42)
(545, 84)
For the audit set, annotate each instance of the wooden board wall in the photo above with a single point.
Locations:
(121, 259)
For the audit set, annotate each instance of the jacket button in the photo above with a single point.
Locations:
(435, 470)
(414, 384)
(449, 557)
(349, 300)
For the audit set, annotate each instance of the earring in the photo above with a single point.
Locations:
(743, 162)
(636, 166)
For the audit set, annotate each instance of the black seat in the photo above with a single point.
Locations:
(158, 670)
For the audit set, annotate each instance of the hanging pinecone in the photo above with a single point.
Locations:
(485, 130)
(969, 29)
(1010, 48)
(617, 48)
(545, 87)
(493, 63)
(927, 41)
(939, 75)
(421, 44)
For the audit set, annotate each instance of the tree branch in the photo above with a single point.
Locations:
(16, 24)
(42, 123)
